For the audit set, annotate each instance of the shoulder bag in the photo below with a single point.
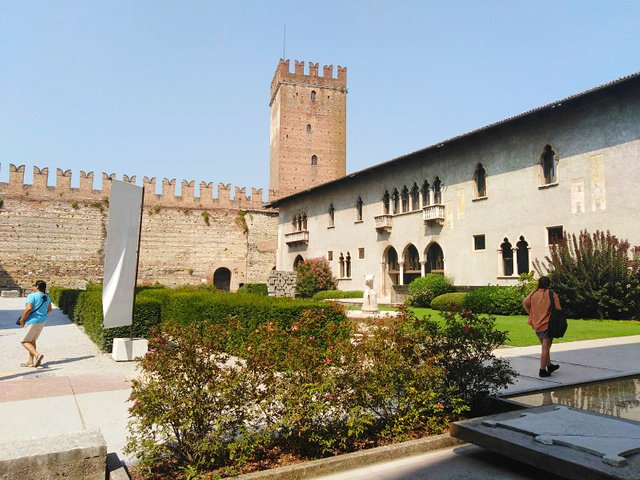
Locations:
(557, 320)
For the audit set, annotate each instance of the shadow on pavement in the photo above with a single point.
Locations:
(29, 372)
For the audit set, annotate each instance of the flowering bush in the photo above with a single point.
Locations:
(314, 275)
(304, 392)
(594, 276)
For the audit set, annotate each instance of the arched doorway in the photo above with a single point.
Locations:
(297, 262)
(222, 279)
(435, 259)
(411, 267)
(391, 266)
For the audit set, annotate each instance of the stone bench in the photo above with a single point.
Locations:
(80, 456)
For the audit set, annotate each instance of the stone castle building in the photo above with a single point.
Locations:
(479, 207)
(308, 127)
(58, 232)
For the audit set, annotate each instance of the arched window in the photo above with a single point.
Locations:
(222, 279)
(506, 251)
(480, 179)
(314, 160)
(396, 201)
(304, 221)
(308, 128)
(405, 199)
(435, 259)
(341, 262)
(411, 259)
(332, 213)
(294, 222)
(297, 262)
(425, 193)
(392, 260)
(299, 222)
(347, 265)
(437, 192)
(415, 197)
(522, 256)
(385, 202)
(313, 95)
(548, 164)
(359, 210)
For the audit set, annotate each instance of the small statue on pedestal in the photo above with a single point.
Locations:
(369, 299)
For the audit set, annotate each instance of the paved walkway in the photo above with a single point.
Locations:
(78, 387)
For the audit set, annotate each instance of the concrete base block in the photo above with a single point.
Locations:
(79, 455)
(128, 349)
(10, 293)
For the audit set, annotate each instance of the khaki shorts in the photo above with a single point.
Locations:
(32, 332)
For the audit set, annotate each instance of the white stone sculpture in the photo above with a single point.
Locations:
(369, 299)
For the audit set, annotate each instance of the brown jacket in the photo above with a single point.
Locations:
(538, 306)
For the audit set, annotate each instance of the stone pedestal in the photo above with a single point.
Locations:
(128, 349)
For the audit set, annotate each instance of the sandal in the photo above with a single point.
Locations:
(25, 364)
(38, 360)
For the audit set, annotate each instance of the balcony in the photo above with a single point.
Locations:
(383, 223)
(297, 238)
(433, 213)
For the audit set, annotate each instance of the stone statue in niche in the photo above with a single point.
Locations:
(369, 299)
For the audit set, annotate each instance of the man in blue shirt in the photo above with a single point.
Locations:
(33, 319)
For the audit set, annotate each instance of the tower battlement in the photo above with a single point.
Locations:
(310, 79)
(62, 191)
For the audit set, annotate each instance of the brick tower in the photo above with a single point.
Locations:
(308, 127)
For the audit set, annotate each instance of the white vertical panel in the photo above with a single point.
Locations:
(121, 253)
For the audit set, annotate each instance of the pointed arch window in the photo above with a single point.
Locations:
(415, 197)
(385, 202)
(506, 251)
(522, 255)
(405, 199)
(359, 209)
(437, 191)
(341, 262)
(425, 193)
(548, 161)
(304, 221)
(347, 265)
(396, 201)
(480, 179)
(332, 214)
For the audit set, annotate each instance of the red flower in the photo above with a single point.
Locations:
(331, 347)
(294, 328)
(440, 405)
(327, 361)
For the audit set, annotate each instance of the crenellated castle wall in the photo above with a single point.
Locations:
(58, 233)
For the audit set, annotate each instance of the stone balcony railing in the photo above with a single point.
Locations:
(297, 238)
(383, 223)
(433, 213)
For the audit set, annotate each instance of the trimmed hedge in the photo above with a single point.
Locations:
(254, 288)
(326, 294)
(186, 305)
(449, 302)
(495, 300)
(423, 290)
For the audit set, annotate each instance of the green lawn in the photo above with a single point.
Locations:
(521, 334)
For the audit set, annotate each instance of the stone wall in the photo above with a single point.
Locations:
(58, 234)
(282, 284)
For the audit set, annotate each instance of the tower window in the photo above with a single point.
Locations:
(308, 128)
(314, 160)
(313, 95)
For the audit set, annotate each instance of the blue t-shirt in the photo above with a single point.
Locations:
(39, 315)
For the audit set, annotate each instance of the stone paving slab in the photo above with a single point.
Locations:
(570, 442)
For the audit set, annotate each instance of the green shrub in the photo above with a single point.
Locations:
(593, 276)
(423, 290)
(254, 288)
(450, 302)
(326, 294)
(495, 300)
(314, 275)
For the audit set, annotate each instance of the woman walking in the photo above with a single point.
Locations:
(538, 306)
(33, 319)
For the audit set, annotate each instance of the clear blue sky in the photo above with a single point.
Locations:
(180, 89)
